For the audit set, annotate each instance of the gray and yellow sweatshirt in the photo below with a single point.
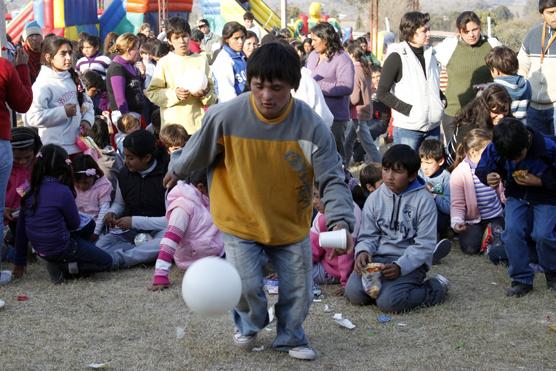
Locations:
(261, 172)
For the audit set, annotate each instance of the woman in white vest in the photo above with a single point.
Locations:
(409, 84)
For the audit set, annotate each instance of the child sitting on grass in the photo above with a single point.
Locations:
(191, 233)
(329, 268)
(48, 216)
(525, 160)
(437, 182)
(398, 229)
(475, 207)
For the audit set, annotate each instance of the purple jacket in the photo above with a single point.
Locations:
(335, 78)
(48, 228)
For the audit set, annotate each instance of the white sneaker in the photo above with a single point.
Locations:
(442, 249)
(304, 353)
(443, 280)
(243, 341)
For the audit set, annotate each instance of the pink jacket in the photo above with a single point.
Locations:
(201, 237)
(463, 199)
(89, 202)
(19, 179)
(340, 266)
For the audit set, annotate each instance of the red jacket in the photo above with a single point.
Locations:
(15, 91)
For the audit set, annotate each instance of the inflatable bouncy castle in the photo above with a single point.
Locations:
(302, 26)
(63, 17)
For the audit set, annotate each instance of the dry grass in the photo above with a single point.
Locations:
(112, 317)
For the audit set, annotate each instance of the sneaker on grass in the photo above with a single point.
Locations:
(443, 280)
(244, 341)
(442, 249)
(303, 353)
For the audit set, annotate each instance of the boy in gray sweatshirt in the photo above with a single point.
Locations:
(398, 229)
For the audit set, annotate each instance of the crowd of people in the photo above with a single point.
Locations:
(168, 149)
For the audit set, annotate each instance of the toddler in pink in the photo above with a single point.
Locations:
(327, 269)
(191, 233)
(93, 191)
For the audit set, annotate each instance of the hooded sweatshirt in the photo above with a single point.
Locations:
(401, 226)
(519, 90)
(229, 72)
(51, 91)
(191, 233)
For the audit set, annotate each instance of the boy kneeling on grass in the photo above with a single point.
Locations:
(525, 160)
(398, 230)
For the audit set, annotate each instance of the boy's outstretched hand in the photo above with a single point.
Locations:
(170, 180)
(349, 243)
(361, 262)
(391, 271)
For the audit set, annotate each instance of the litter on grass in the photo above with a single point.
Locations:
(271, 315)
(180, 332)
(383, 318)
(344, 322)
(327, 308)
(98, 365)
(258, 349)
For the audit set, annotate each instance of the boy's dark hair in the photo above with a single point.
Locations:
(93, 40)
(147, 46)
(275, 62)
(176, 25)
(410, 23)
(52, 161)
(503, 59)
(91, 79)
(510, 137)
(402, 156)
(173, 135)
(81, 163)
(248, 15)
(101, 136)
(197, 35)
(24, 138)
(370, 174)
(431, 148)
(327, 32)
(465, 17)
(543, 4)
(160, 49)
(376, 68)
(141, 143)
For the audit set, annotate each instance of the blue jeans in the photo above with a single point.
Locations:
(6, 161)
(293, 263)
(125, 253)
(414, 138)
(542, 120)
(360, 129)
(399, 295)
(89, 258)
(540, 228)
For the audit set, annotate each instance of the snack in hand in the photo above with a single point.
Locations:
(374, 267)
(520, 173)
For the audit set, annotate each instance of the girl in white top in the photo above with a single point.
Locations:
(60, 108)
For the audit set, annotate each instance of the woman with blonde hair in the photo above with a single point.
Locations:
(123, 81)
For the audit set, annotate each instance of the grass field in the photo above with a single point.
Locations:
(111, 317)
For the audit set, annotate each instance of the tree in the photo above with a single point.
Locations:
(502, 14)
(293, 12)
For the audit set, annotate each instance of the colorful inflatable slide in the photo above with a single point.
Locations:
(219, 12)
(126, 16)
(63, 17)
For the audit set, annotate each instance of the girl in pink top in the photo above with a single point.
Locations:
(191, 233)
(476, 210)
(328, 269)
(93, 191)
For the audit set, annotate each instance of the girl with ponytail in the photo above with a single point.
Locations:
(476, 207)
(60, 108)
(48, 217)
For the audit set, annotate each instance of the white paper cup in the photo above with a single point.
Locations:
(334, 239)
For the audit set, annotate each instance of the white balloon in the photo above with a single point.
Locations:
(194, 80)
(211, 286)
